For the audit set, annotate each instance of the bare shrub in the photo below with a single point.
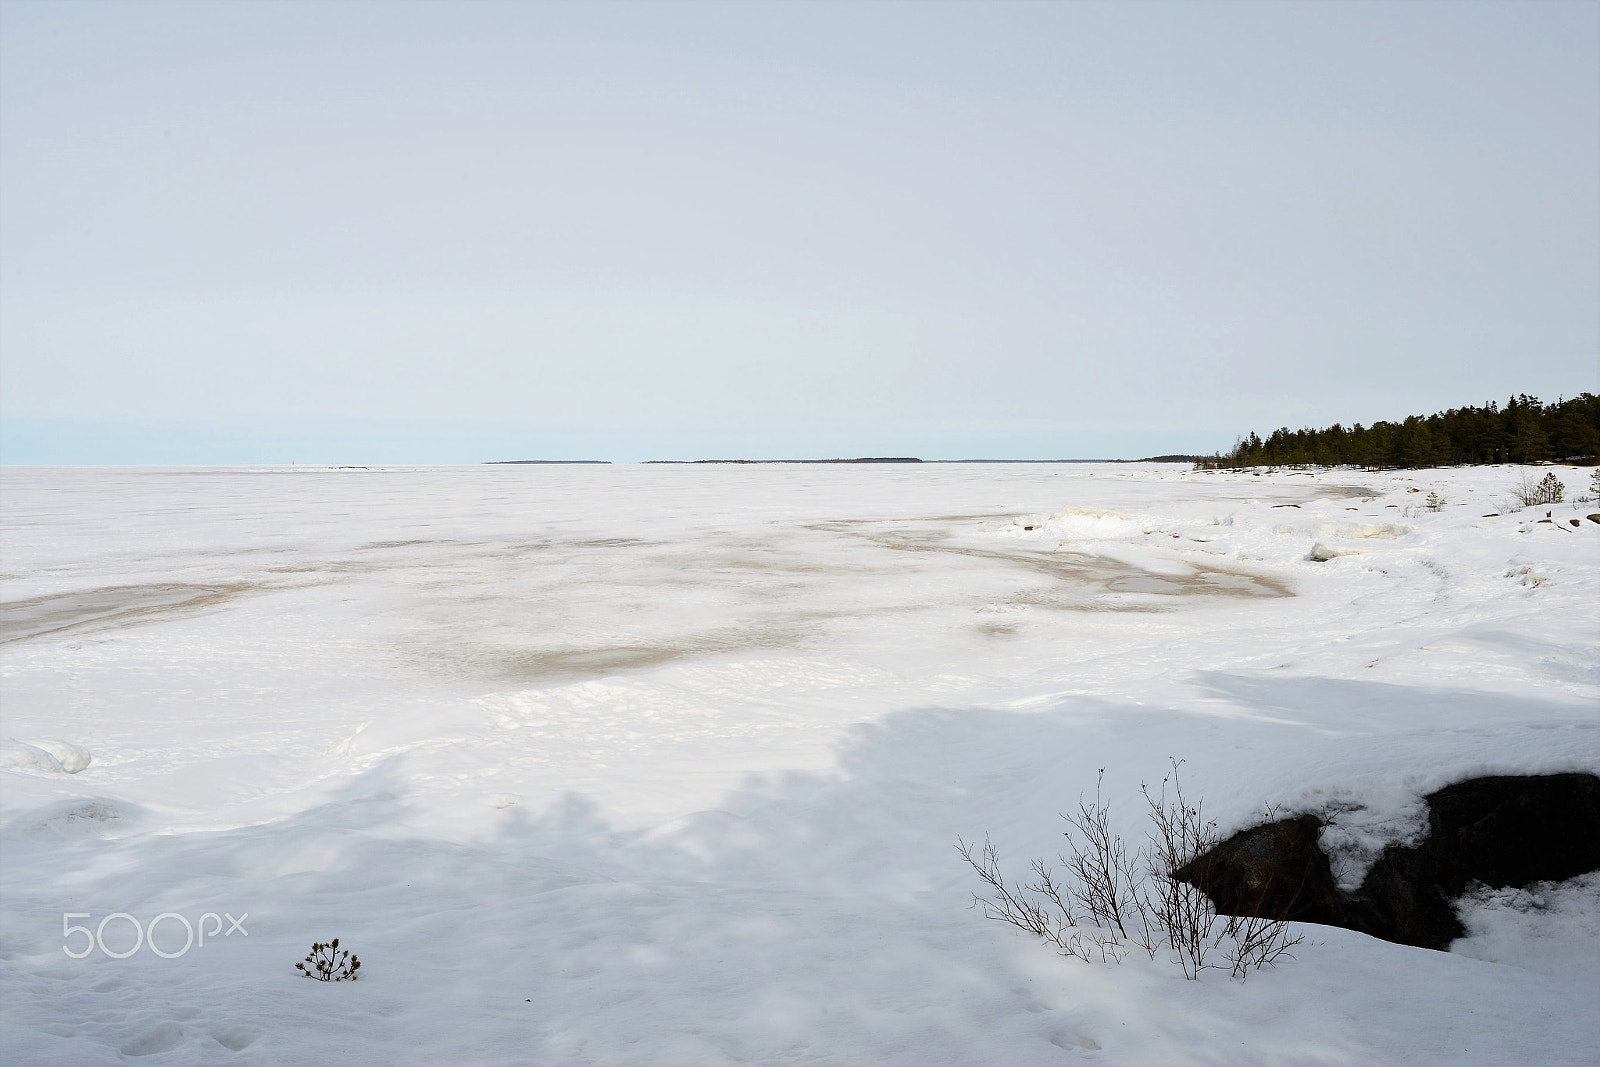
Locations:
(1101, 899)
(1046, 918)
(1107, 878)
(1179, 834)
(1251, 943)
(1042, 907)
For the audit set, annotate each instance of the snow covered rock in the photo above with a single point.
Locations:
(73, 758)
(25, 757)
(53, 756)
(1499, 831)
(1511, 830)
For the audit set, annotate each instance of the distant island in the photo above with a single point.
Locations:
(859, 459)
(1148, 459)
(863, 459)
(913, 459)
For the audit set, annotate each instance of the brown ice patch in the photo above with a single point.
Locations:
(996, 629)
(982, 517)
(528, 627)
(110, 607)
(1087, 582)
(585, 662)
(598, 661)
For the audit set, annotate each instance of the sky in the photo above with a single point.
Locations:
(443, 233)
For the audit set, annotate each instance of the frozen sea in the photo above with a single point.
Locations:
(657, 765)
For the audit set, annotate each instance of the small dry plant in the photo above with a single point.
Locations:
(326, 963)
(1528, 493)
(1099, 901)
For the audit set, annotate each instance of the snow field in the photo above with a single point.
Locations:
(656, 765)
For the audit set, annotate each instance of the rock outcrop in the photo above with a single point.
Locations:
(1506, 830)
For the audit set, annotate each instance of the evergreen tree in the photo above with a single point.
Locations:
(1525, 430)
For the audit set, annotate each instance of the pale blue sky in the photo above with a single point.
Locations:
(410, 232)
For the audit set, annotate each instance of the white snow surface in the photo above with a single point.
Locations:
(661, 765)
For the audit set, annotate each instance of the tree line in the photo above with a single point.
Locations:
(1523, 430)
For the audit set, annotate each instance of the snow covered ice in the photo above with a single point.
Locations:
(665, 764)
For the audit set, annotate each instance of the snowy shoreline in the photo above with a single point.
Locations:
(663, 764)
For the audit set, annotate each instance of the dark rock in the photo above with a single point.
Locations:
(1399, 901)
(1276, 870)
(1513, 830)
(1506, 830)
